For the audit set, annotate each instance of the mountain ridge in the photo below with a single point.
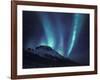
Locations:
(44, 56)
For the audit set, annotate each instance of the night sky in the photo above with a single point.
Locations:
(67, 33)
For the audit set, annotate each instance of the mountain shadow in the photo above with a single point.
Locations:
(43, 57)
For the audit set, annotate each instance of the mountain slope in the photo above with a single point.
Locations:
(44, 56)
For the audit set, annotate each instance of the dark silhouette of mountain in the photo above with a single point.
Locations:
(46, 51)
(44, 56)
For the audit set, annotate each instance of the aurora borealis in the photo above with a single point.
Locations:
(77, 24)
(67, 33)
